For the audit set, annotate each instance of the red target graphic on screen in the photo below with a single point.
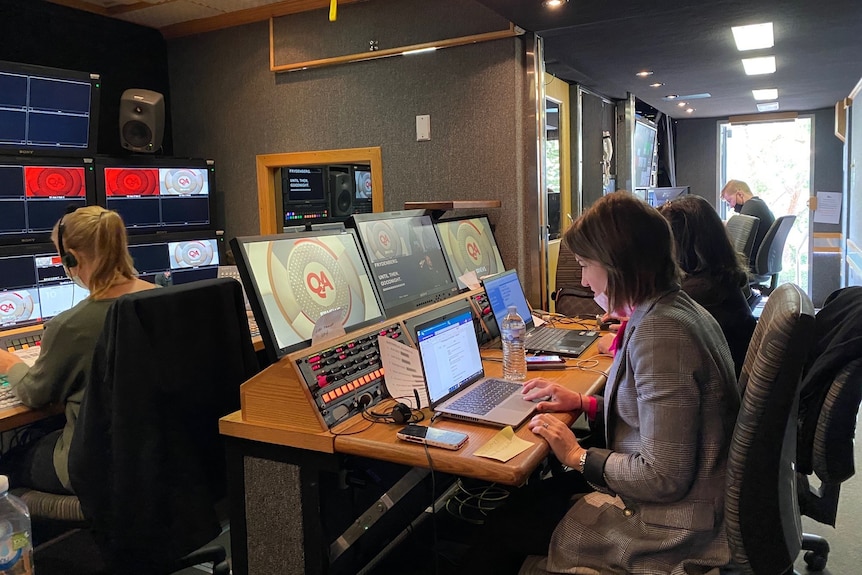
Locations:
(15, 306)
(383, 241)
(192, 254)
(131, 181)
(474, 252)
(312, 277)
(54, 182)
(182, 182)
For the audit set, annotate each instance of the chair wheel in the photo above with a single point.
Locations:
(815, 561)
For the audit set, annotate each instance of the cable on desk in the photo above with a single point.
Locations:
(589, 364)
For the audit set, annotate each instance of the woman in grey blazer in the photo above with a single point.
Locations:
(667, 414)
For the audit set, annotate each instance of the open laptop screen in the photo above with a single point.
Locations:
(504, 290)
(450, 354)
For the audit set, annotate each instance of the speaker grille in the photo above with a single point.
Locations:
(138, 134)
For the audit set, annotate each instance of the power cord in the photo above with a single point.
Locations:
(473, 504)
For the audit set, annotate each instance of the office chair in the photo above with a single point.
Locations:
(767, 263)
(146, 462)
(828, 408)
(570, 297)
(762, 518)
(742, 229)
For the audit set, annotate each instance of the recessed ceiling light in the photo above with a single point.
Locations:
(644, 73)
(753, 37)
(553, 3)
(765, 94)
(682, 104)
(767, 107)
(755, 66)
(671, 97)
(689, 110)
(656, 85)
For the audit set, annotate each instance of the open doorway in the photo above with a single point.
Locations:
(774, 159)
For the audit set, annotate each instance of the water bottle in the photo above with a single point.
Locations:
(16, 547)
(513, 331)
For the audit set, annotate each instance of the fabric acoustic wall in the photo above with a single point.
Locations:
(228, 105)
(125, 55)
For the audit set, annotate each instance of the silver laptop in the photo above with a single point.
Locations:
(504, 290)
(455, 379)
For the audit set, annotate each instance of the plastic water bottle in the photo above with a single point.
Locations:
(16, 547)
(513, 331)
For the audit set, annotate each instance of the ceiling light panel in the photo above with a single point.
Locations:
(767, 107)
(757, 66)
(753, 37)
(765, 94)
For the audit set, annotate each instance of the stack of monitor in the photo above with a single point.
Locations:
(382, 265)
(48, 164)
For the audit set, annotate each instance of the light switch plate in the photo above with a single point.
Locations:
(423, 128)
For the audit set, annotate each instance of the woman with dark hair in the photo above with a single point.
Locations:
(713, 272)
(667, 414)
(93, 248)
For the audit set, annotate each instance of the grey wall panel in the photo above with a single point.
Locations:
(697, 156)
(228, 106)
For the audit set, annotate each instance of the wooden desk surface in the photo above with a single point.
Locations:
(378, 440)
(13, 417)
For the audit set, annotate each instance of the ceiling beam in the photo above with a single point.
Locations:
(247, 16)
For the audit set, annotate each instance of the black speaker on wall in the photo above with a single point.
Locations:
(341, 192)
(142, 120)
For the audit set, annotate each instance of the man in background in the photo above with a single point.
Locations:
(739, 197)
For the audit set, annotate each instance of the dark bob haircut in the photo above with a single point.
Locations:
(633, 242)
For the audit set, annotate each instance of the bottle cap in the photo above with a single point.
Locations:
(513, 309)
(4, 484)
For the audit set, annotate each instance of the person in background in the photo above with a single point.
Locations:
(714, 273)
(668, 413)
(93, 248)
(738, 196)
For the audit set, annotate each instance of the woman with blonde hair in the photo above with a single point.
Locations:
(94, 251)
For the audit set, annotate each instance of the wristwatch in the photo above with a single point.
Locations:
(582, 463)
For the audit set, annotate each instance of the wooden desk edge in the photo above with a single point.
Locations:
(233, 425)
(20, 415)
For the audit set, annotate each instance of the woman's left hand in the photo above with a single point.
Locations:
(559, 437)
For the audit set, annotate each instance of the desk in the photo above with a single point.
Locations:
(277, 473)
(20, 415)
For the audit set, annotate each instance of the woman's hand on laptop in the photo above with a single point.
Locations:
(552, 396)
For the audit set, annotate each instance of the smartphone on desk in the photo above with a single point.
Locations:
(432, 436)
(545, 362)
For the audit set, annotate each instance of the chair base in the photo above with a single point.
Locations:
(817, 551)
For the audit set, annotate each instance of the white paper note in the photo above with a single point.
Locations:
(470, 280)
(402, 371)
(828, 208)
(327, 327)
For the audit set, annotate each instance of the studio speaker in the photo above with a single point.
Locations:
(142, 120)
(340, 193)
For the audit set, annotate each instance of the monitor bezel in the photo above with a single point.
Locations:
(95, 82)
(645, 124)
(155, 162)
(267, 334)
(494, 247)
(44, 237)
(413, 303)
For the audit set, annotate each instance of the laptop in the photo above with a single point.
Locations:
(455, 379)
(504, 290)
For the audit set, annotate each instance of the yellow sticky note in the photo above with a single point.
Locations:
(503, 446)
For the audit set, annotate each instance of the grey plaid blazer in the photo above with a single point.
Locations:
(669, 410)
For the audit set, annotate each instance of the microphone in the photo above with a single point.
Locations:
(416, 395)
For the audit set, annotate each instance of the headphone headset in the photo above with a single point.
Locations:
(69, 260)
(400, 413)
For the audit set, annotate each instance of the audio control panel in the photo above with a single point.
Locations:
(347, 377)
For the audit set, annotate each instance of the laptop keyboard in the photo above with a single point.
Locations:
(7, 398)
(484, 397)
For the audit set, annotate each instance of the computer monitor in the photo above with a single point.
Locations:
(645, 141)
(294, 279)
(304, 195)
(175, 260)
(35, 288)
(35, 192)
(156, 194)
(48, 110)
(406, 258)
(469, 245)
(659, 196)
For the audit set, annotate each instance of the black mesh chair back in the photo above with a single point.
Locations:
(768, 263)
(763, 523)
(742, 229)
(570, 297)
